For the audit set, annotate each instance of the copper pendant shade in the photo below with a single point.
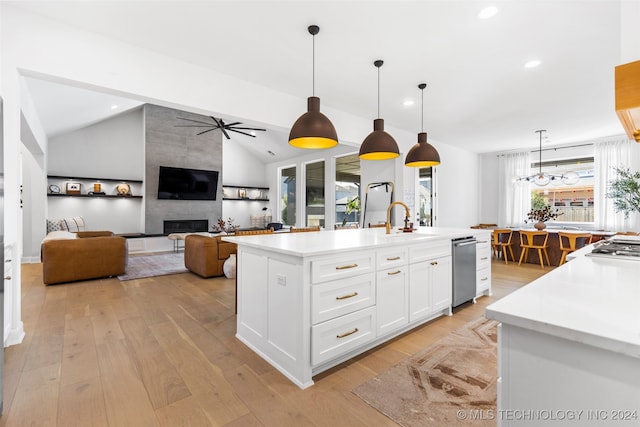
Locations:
(313, 130)
(379, 145)
(422, 154)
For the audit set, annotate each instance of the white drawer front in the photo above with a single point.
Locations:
(483, 259)
(339, 297)
(347, 265)
(430, 251)
(483, 279)
(392, 257)
(338, 336)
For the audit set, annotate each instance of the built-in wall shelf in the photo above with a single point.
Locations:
(245, 193)
(115, 196)
(81, 186)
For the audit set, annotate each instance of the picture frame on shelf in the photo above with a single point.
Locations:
(73, 187)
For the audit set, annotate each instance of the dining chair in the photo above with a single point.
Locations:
(528, 241)
(253, 232)
(304, 229)
(569, 242)
(501, 241)
(383, 225)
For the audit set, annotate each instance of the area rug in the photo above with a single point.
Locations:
(450, 383)
(162, 264)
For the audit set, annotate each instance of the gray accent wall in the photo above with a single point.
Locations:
(168, 145)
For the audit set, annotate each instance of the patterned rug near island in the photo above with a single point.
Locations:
(450, 383)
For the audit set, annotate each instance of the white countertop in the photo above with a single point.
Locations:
(589, 300)
(331, 242)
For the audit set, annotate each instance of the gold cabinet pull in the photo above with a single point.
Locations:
(434, 262)
(344, 267)
(346, 334)
(7, 277)
(395, 258)
(347, 296)
(391, 273)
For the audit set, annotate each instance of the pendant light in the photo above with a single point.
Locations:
(378, 145)
(422, 154)
(543, 178)
(313, 129)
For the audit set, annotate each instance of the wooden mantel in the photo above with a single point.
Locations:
(628, 98)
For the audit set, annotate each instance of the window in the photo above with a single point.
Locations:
(425, 196)
(348, 190)
(288, 195)
(574, 201)
(314, 208)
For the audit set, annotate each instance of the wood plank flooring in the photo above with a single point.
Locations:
(162, 352)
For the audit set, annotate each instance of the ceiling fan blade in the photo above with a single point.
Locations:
(240, 127)
(244, 133)
(195, 126)
(220, 124)
(228, 125)
(205, 131)
(196, 121)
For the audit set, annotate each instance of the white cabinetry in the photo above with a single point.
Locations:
(483, 264)
(392, 294)
(429, 279)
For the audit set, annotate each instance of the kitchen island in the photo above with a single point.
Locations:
(309, 301)
(569, 346)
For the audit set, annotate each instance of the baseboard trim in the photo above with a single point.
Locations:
(16, 335)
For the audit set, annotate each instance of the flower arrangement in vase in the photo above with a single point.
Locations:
(227, 226)
(540, 216)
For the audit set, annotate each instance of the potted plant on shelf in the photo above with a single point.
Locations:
(541, 215)
(625, 191)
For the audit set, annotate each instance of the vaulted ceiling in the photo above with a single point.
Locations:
(479, 96)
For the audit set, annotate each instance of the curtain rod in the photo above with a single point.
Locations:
(562, 147)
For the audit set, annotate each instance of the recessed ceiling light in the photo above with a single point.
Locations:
(113, 107)
(532, 64)
(408, 103)
(488, 12)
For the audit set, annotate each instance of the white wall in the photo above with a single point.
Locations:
(114, 149)
(241, 168)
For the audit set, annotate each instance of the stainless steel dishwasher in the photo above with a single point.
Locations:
(464, 269)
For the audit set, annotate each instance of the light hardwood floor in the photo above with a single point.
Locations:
(161, 352)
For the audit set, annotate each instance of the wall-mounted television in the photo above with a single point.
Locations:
(187, 184)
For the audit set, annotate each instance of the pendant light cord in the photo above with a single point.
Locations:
(378, 92)
(422, 122)
(313, 65)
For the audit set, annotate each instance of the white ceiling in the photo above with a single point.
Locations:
(479, 95)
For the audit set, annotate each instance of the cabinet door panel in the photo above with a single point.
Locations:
(339, 297)
(419, 291)
(392, 299)
(441, 282)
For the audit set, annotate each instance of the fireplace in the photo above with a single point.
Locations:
(185, 226)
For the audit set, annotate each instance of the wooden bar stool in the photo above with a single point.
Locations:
(572, 243)
(528, 241)
(501, 240)
(304, 229)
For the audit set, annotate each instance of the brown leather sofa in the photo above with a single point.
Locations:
(91, 255)
(205, 256)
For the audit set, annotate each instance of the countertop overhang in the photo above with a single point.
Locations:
(590, 300)
(335, 241)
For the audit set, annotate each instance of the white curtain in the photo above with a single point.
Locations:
(514, 195)
(607, 156)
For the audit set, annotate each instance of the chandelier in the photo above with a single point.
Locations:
(543, 178)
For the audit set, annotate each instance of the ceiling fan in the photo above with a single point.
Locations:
(219, 124)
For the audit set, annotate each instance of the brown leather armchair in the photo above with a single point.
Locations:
(93, 254)
(205, 256)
